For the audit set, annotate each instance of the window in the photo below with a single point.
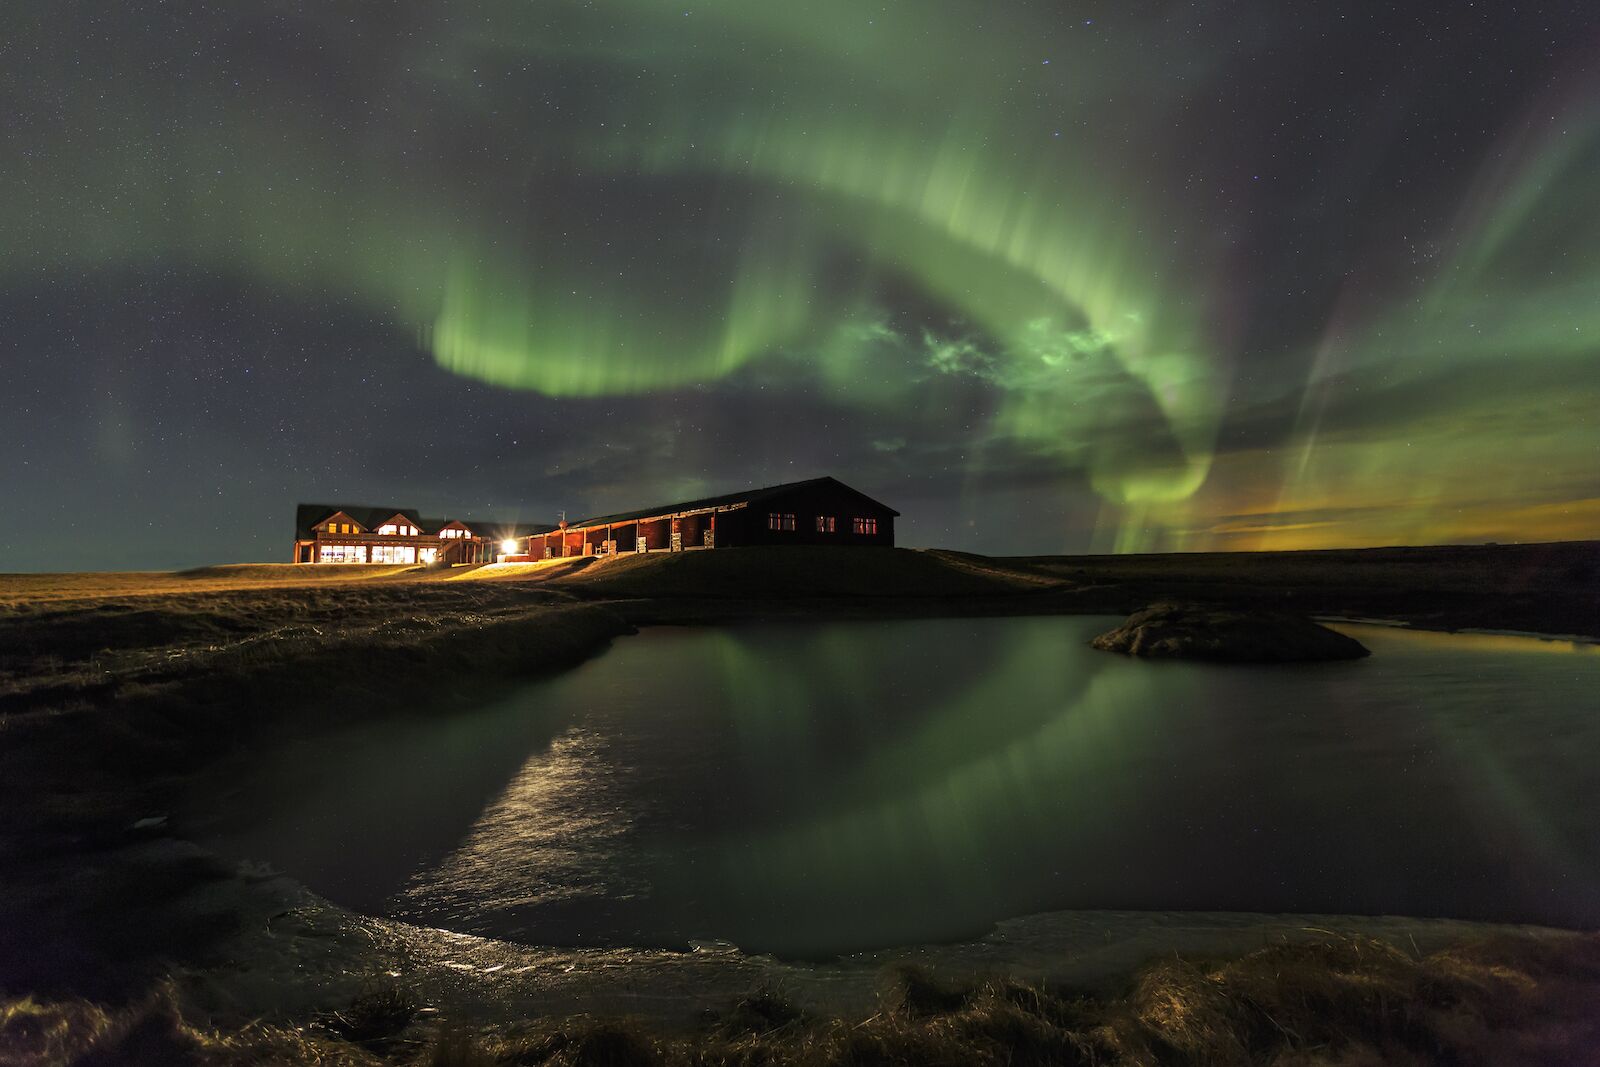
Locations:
(866, 526)
(393, 554)
(825, 524)
(341, 554)
(388, 528)
(777, 521)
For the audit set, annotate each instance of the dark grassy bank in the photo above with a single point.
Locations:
(110, 707)
(1551, 588)
(1542, 588)
(104, 701)
(806, 572)
(1342, 1001)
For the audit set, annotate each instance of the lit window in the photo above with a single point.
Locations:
(825, 524)
(780, 521)
(866, 526)
(342, 554)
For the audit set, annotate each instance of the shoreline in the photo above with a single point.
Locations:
(103, 729)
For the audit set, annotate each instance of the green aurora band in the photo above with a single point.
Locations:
(619, 198)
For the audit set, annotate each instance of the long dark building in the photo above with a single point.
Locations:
(818, 511)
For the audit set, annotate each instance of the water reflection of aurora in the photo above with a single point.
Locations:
(812, 789)
(1044, 237)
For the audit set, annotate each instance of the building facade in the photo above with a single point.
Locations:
(819, 511)
(346, 533)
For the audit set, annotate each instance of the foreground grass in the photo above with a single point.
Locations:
(1344, 1001)
(105, 689)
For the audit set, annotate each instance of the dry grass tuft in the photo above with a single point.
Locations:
(380, 1010)
(152, 1032)
(1337, 1002)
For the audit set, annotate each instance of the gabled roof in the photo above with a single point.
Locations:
(409, 518)
(495, 530)
(748, 496)
(306, 516)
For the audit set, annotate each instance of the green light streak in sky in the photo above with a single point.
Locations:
(886, 205)
(1021, 236)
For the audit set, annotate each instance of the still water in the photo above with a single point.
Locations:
(813, 789)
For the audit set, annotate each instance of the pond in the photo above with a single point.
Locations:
(820, 788)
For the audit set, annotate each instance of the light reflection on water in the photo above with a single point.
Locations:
(810, 789)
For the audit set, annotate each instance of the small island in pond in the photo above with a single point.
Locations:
(1227, 635)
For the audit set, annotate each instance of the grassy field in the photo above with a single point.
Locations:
(1543, 588)
(1558, 580)
(116, 689)
(23, 590)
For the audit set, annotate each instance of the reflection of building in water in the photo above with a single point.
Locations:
(818, 511)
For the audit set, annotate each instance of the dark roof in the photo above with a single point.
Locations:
(748, 496)
(308, 515)
(496, 529)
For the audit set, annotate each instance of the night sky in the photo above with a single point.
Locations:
(1045, 276)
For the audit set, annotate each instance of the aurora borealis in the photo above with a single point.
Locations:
(1046, 276)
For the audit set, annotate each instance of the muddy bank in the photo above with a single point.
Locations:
(248, 943)
(297, 980)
